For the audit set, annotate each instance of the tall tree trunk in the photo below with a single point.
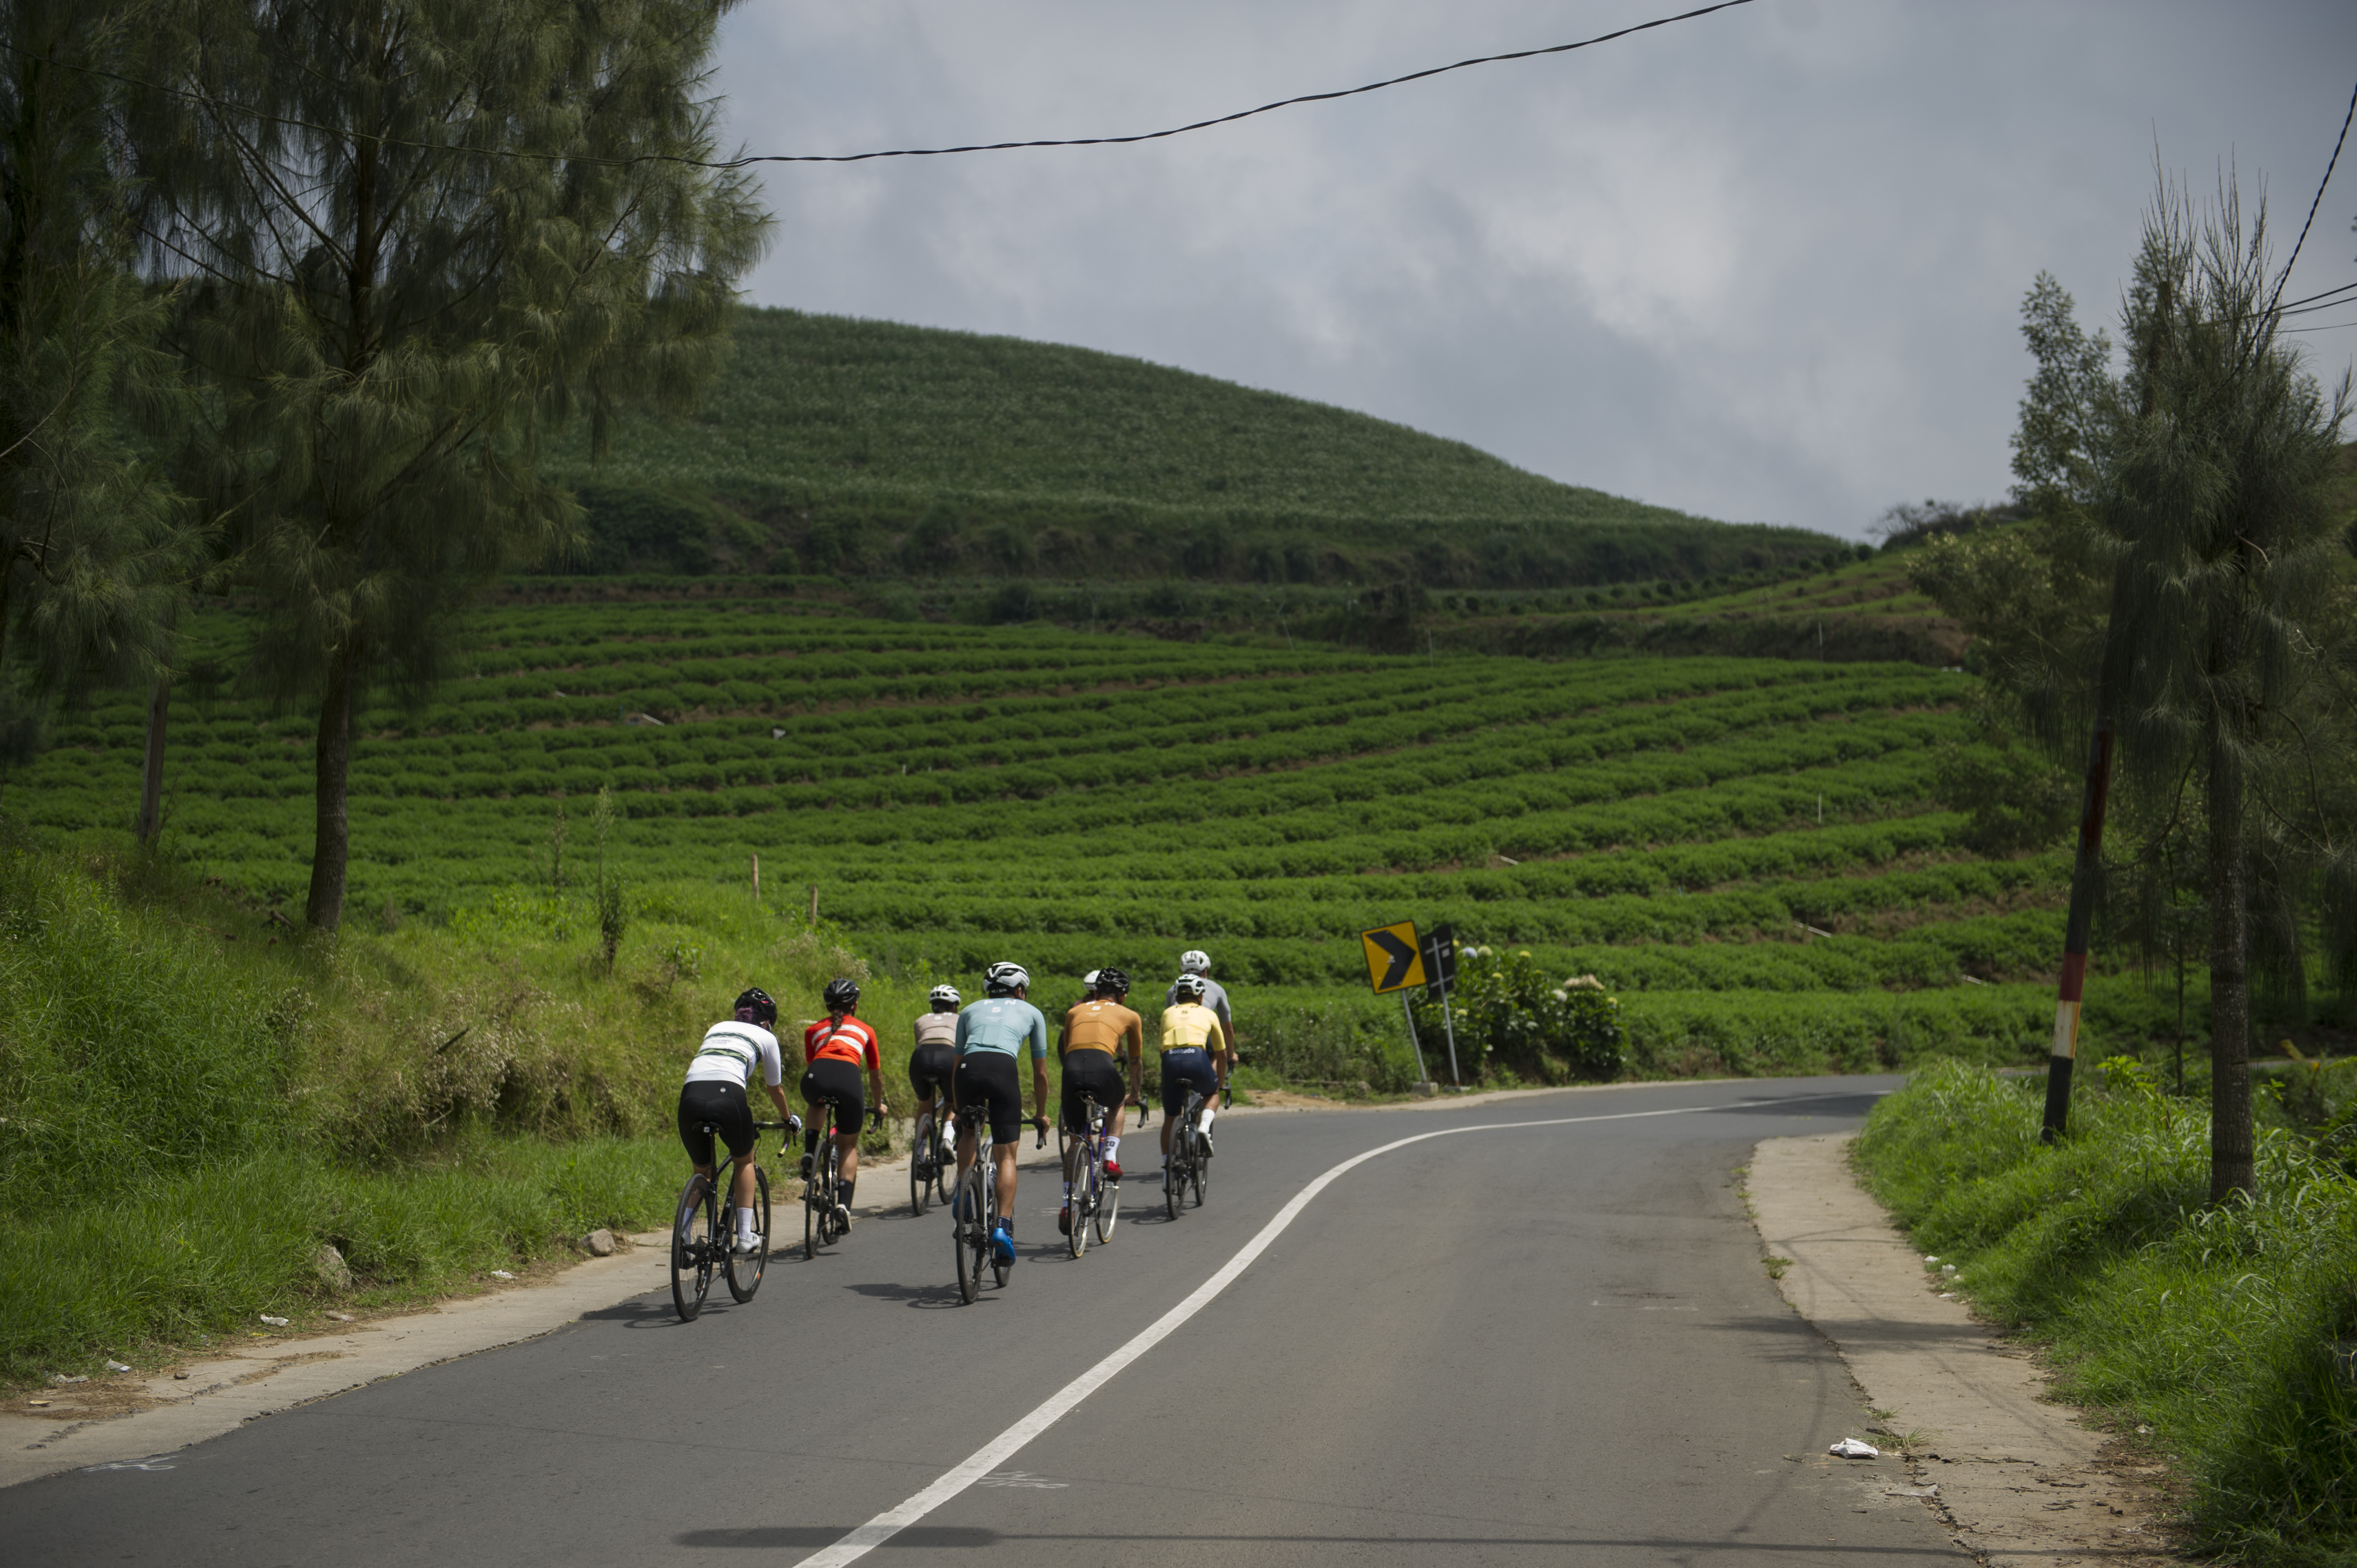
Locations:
(151, 782)
(2233, 1166)
(331, 841)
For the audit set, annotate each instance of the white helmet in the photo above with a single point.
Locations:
(1090, 979)
(1195, 961)
(1188, 988)
(1004, 978)
(944, 998)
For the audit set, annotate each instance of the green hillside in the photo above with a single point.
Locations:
(838, 445)
(1744, 848)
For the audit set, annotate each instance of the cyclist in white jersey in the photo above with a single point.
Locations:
(717, 1078)
(990, 1035)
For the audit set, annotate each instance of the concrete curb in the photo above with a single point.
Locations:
(2021, 1481)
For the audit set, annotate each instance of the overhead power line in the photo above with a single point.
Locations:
(210, 102)
(1239, 115)
(2329, 165)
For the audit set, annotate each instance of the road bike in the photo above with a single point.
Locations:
(824, 1220)
(705, 1224)
(1095, 1198)
(1190, 1157)
(933, 1159)
(973, 1209)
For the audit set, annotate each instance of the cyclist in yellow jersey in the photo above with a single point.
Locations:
(1194, 1056)
(1095, 1030)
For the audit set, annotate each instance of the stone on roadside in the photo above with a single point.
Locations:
(118, 1367)
(328, 1266)
(598, 1243)
(274, 1322)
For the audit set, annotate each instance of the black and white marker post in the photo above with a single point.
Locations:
(1440, 969)
(1422, 1077)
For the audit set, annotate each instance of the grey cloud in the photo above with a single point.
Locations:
(1761, 266)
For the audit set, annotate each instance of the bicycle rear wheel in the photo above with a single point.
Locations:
(690, 1248)
(745, 1268)
(968, 1231)
(920, 1165)
(1076, 1235)
(1198, 1169)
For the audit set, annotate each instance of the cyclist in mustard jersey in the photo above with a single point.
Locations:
(1194, 1056)
(1096, 1028)
(990, 1035)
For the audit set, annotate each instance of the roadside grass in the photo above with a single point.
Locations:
(179, 1259)
(2228, 1330)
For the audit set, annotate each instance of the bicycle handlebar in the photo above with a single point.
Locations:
(1040, 1123)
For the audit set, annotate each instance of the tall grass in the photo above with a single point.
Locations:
(2227, 1330)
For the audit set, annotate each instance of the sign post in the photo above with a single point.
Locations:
(1440, 971)
(1413, 1044)
(1395, 962)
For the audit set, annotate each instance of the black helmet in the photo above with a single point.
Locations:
(1113, 983)
(757, 1002)
(842, 994)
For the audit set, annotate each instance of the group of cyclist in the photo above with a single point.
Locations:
(965, 1066)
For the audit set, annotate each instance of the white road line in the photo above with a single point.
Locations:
(986, 1459)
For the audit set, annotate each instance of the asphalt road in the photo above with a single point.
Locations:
(1525, 1344)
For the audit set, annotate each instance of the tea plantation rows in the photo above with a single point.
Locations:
(960, 794)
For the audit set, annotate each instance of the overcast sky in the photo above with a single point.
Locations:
(1765, 265)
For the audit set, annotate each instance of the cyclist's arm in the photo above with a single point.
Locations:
(1038, 1064)
(1221, 1058)
(876, 1076)
(773, 1076)
(1063, 1037)
(1135, 1041)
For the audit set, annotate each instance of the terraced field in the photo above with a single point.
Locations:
(1744, 848)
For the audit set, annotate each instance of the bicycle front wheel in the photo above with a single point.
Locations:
(1108, 1209)
(690, 1248)
(745, 1268)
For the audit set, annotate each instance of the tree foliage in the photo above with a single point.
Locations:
(91, 547)
(2187, 574)
(413, 239)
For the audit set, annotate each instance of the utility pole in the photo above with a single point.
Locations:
(2086, 869)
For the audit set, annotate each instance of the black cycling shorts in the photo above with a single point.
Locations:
(724, 1106)
(838, 1081)
(985, 1083)
(1091, 1073)
(930, 1067)
(1183, 1071)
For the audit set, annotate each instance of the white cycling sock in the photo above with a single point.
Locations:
(1113, 1147)
(745, 1223)
(1209, 1110)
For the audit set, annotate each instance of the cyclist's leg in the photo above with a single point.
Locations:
(692, 1136)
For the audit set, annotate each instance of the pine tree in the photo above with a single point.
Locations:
(412, 237)
(92, 552)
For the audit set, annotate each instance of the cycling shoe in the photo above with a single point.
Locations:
(1002, 1243)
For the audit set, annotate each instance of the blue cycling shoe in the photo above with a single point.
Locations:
(957, 1204)
(1002, 1241)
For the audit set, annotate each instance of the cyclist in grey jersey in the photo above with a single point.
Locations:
(1196, 962)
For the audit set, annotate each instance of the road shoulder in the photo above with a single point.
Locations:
(2020, 1480)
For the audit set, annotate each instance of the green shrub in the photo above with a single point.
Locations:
(1512, 1017)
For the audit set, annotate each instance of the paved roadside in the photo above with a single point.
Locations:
(2019, 1480)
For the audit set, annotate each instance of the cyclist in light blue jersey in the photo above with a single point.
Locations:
(991, 1035)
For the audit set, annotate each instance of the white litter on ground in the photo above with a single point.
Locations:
(1851, 1448)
